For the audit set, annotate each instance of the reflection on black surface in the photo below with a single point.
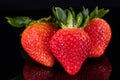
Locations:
(92, 69)
(34, 71)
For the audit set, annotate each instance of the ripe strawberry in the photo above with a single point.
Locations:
(35, 38)
(70, 45)
(100, 33)
(35, 71)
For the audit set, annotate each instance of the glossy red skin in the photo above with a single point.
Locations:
(35, 71)
(100, 33)
(70, 47)
(35, 41)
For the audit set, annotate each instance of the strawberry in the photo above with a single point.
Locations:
(100, 33)
(81, 36)
(35, 38)
(35, 71)
(70, 45)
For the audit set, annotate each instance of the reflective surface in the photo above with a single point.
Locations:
(93, 69)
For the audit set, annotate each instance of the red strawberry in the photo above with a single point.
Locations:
(35, 41)
(100, 33)
(70, 45)
(35, 38)
(35, 71)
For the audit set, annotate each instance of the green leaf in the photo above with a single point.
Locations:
(85, 12)
(18, 77)
(59, 14)
(94, 13)
(54, 12)
(102, 12)
(73, 12)
(85, 21)
(74, 16)
(98, 13)
(19, 21)
(44, 19)
(79, 19)
(70, 19)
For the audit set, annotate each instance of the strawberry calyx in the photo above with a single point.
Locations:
(68, 19)
(98, 13)
(24, 21)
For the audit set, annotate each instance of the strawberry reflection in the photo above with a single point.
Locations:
(97, 69)
(93, 69)
(35, 71)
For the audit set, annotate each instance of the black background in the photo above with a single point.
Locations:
(11, 61)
